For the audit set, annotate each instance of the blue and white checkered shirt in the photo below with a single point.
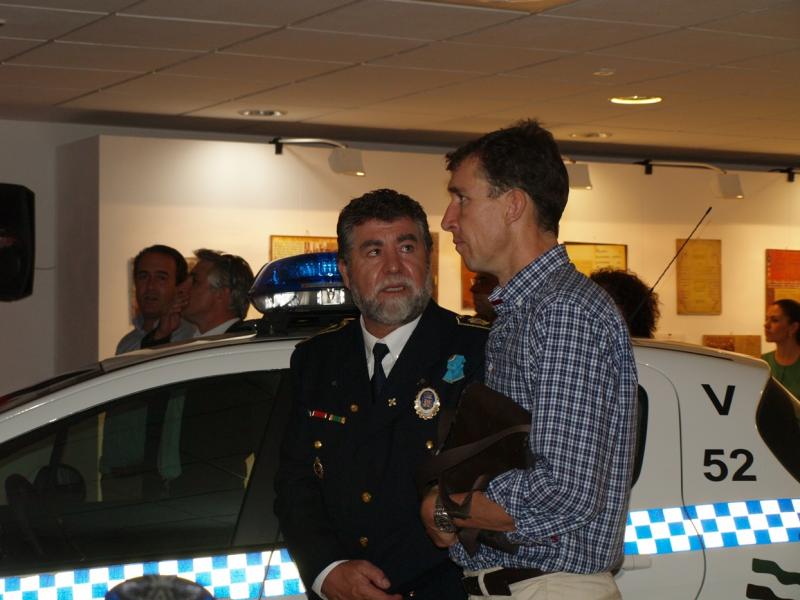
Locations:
(561, 350)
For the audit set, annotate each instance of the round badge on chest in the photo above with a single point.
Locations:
(426, 404)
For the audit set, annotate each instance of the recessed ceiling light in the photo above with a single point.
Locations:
(257, 112)
(636, 99)
(591, 135)
(605, 72)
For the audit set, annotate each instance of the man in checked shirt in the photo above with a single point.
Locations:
(560, 349)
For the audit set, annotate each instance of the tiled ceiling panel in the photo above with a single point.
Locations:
(596, 69)
(323, 45)
(675, 13)
(453, 56)
(199, 88)
(116, 58)
(36, 96)
(266, 70)
(363, 85)
(416, 20)
(163, 33)
(274, 13)
(103, 6)
(47, 77)
(558, 33)
(778, 20)
(701, 47)
(418, 71)
(41, 24)
(9, 47)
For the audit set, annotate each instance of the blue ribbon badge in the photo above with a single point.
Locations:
(455, 368)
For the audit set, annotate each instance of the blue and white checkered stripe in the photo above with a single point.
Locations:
(720, 525)
(241, 576)
(235, 576)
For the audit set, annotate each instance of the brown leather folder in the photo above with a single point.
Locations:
(488, 435)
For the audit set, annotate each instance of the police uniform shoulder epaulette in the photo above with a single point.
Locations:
(469, 321)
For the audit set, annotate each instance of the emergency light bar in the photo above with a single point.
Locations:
(303, 282)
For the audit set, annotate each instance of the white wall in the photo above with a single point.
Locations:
(649, 212)
(231, 196)
(173, 188)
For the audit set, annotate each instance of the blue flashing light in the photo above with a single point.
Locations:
(299, 281)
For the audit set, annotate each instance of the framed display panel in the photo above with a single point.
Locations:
(281, 246)
(743, 344)
(699, 277)
(783, 275)
(589, 257)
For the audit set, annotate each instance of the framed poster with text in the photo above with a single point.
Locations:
(743, 344)
(588, 257)
(281, 246)
(783, 275)
(699, 277)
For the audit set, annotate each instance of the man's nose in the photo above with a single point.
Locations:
(450, 218)
(391, 261)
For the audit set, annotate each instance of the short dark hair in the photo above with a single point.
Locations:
(524, 156)
(638, 305)
(384, 205)
(232, 272)
(181, 268)
(791, 308)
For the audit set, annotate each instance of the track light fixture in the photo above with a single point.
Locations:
(790, 173)
(578, 175)
(342, 159)
(728, 184)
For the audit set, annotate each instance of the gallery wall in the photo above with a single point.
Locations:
(166, 187)
(233, 196)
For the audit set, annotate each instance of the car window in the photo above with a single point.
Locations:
(642, 406)
(160, 473)
(778, 423)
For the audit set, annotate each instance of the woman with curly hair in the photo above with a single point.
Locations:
(633, 297)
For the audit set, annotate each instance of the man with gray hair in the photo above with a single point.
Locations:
(367, 396)
(218, 299)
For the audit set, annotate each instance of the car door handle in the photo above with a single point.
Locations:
(634, 562)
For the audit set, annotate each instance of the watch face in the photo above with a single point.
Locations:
(442, 520)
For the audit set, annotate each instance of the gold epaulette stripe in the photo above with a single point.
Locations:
(468, 321)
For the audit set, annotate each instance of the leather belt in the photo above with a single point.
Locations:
(496, 583)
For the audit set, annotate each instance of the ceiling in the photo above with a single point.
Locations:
(405, 71)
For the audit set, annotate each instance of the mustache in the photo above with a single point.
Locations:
(395, 281)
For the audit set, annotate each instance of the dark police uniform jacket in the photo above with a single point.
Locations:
(345, 484)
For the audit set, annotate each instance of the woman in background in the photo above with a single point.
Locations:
(633, 297)
(782, 327)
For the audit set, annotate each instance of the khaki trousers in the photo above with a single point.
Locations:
(560, 586)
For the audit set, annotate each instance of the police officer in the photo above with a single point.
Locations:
(367, 397)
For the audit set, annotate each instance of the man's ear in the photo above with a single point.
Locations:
(517, 203)
(345, 274)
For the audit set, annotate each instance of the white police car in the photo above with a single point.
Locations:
(161, 462)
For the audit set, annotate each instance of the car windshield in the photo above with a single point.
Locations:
(778, 422)
(48, 386)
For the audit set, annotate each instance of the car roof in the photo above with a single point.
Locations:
(685, 347)
(121, 361)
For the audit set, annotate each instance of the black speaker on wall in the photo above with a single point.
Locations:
(16, 241)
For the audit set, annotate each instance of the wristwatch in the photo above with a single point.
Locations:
(441, 519)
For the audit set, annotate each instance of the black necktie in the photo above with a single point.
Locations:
(378, 376)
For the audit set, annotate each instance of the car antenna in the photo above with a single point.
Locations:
(674, 258)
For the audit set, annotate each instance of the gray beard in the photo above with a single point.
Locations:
(397, 311)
